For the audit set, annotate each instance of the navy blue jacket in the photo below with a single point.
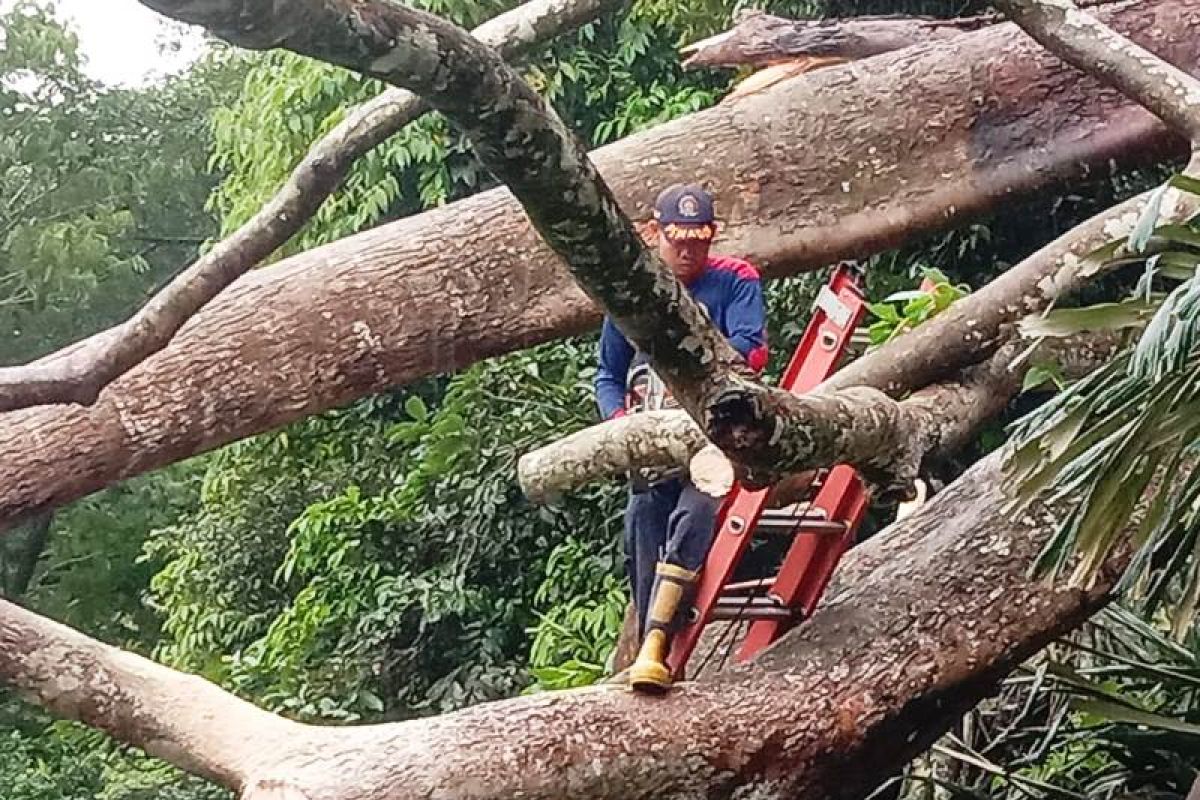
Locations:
(731, 290)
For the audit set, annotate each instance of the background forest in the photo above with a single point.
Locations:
(379, 561)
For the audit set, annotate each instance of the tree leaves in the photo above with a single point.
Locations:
(101, 190)
(1133, 312)
(1137, 420)
(918, 305)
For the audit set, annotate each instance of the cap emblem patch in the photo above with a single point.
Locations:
(688, 207)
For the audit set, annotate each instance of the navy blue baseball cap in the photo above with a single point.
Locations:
(685, 211)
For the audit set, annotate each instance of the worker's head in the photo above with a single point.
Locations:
(684, 226)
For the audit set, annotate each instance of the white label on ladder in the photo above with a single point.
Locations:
(834, 308)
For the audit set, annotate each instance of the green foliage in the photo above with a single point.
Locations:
(904, 310)
(92, 575)
(585, 606)
(1133, 424)
(381, 561)
(41, 763)
(1133, 312)
(1110, 712)
(131, 775)
(102, 189)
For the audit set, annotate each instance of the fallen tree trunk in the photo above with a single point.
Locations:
(921, 623)
(995, 114)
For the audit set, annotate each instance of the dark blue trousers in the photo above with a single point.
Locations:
(671, 521)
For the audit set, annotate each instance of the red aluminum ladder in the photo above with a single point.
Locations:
(823, 532)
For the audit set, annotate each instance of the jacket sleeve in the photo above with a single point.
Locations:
(615, 355)
(746, 321)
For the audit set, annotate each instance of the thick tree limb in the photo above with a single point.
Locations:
(996, 115)
(920, 624)
(78, 373)
(657, 439)
(883, 434)
(763, 40)
(179, 718)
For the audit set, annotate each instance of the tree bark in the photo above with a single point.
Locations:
(1083, 41)
(921, 622)
(762, 40)
(180, 718)
(996, 115)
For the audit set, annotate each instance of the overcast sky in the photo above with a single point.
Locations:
(121, 39)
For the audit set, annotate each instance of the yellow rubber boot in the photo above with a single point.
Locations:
(650, 672)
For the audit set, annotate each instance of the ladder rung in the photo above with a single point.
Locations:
(786, 525)
(739, 613)
(748, 586)
(822, 527)
(766, 601)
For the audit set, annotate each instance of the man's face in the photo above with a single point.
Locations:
(685, 257)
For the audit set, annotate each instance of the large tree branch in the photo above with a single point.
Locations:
(893, 437)
(982, 118)
(920, 623)
(79, 373)
(1085, 42)
(180, 718)
(761, 40)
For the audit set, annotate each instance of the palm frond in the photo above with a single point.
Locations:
(1120, 446)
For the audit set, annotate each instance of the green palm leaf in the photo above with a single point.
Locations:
(1107, 443)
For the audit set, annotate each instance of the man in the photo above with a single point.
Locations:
(669, 523)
